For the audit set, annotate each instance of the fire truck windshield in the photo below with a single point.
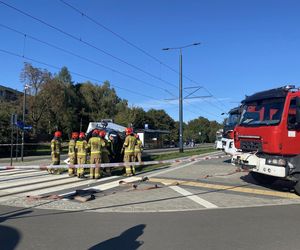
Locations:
(232, 120)
(262, 112)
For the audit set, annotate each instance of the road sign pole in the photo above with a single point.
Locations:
(24, 110)
(12, 122)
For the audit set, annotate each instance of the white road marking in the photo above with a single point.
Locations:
(101, 180)
(10, 172)
(171, 169)
(193, 197)
(33, 181)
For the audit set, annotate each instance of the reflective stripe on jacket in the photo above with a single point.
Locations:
(139, 146)
(129, 144)
(96, 145)
(72, 144)
(81, 147)
(55, 146)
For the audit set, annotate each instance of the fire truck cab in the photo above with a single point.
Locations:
(268, 135)
(230, 123)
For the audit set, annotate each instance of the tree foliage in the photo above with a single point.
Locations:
(201, 130)
(55, 102)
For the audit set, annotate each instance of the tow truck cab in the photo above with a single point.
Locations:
(268, 135)
(230, 123)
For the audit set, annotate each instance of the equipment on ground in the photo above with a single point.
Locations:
(268, 135)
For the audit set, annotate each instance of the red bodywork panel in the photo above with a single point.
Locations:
(276, 139)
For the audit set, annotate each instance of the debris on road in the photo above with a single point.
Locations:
(43, 197)
(237, 170)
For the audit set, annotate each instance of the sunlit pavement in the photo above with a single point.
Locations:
(209, 184)
(195, 205)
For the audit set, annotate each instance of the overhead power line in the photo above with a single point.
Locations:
(139, 49)
(88, 44)
(80, 57)
(83, 76)
(75, 73)
(84, 42)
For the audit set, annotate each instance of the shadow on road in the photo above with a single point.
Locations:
(227, 161)
(125, 241)
(10, 237)
(278, 185)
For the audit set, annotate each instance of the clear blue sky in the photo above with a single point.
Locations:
(247, 46)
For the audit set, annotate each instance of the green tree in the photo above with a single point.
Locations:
(201, 130)
(160, 119)
(35, 78)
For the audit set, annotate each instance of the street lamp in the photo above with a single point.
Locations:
(180, 92)
(24, 110)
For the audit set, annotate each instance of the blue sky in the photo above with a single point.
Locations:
(246, 46)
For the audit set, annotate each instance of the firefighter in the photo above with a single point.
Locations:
(81, 148)
(55, 152)
(72, 153)
(105, 152)
(138, 149)
(128, 148)
(95, 145)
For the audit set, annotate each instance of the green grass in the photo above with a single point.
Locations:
(174, 155)
(168, 156)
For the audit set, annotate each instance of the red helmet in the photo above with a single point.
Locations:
(57, 134)
(75, 135)
(128, 131)
(102, 133)
(81, 135)
(95, 132)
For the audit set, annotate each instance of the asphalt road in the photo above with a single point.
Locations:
(213, 207)
(271, 227)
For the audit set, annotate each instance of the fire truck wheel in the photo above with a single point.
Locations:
(297, 188)
(263, 179)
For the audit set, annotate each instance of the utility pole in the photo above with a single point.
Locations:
(180, 93)
(180, 105)
(24, 111)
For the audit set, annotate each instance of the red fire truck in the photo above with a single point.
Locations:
(268, 135)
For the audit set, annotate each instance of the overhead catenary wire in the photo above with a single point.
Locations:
(93, 20)
(79, 56)
(93, 62)
(88, 44)
(80, 75)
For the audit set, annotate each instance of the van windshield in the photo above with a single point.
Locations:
(262, 112)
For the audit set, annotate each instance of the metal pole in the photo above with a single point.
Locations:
(80, 123)
(24, 109)
(12, 138)
(17, 144)
(180, 105)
